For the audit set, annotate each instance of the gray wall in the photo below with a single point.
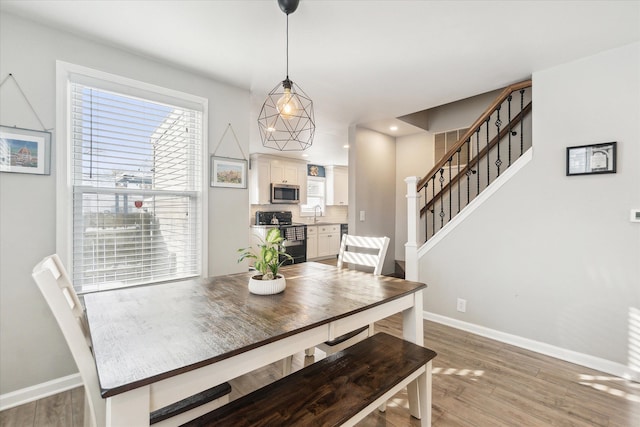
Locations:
(552, 258)
(414, 157)
(32, 349)
(372, 175)
(459, 114)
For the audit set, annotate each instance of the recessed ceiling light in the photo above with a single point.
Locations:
(345, 146)
(393, 128)
(305, 155)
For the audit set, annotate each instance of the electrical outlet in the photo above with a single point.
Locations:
(462, 305)
(361, 215)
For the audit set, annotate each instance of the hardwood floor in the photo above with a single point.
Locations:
(476, 382)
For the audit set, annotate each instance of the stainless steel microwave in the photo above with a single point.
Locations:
(285, 193)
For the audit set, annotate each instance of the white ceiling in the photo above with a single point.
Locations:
(362, 62)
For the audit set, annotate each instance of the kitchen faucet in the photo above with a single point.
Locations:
(315, 211)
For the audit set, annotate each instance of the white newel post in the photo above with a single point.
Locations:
(413, 214)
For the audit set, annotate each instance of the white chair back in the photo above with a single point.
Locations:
(364, 251)
(53, 281)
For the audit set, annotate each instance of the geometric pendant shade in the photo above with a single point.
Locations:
(286, 121)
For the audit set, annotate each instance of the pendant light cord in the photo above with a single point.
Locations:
(287, 46)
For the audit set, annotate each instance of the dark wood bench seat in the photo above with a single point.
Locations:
(339, 389)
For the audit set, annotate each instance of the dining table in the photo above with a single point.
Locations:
(157, 344)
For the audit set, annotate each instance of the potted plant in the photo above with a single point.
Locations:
(267, 262)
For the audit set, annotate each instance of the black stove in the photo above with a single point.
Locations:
(295, 235)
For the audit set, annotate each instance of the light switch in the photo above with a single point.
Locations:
(361, 215)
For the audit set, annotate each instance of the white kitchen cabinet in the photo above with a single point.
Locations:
(265, 169)
(283, 172)
(312, 242)
(259, 179)
(337, 185)
(328, 240)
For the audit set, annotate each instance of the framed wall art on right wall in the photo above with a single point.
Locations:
(591, 159)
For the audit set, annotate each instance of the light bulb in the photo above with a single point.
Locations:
(288, 106)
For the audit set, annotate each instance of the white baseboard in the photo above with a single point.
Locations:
(38, 391)
(571, 356)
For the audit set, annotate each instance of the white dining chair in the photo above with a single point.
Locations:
(54, 283)
(356, 251)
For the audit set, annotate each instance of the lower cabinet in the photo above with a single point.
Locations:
(312, 242)
(328, 240)
(323, 241)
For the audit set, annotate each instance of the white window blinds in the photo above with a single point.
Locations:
(136, 181)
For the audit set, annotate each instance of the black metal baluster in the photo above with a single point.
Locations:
(426, 213)
(442, 214)
(509, 104)
(478, 158)
(498, 124)
(450, 209)
(521, 120)
(469, 172)
(458, 177)
(487, 146)
(433, 206)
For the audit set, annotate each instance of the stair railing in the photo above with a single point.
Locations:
(485, 150)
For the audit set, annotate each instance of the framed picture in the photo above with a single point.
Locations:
(591, 159)
(227, 172)
(25, 151)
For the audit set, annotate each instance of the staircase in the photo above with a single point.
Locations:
(493, 142)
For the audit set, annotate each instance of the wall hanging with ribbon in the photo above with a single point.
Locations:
(24, 150)
(228, 171)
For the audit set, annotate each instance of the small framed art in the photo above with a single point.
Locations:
(228, 172)
(25, 151)
(591, 159)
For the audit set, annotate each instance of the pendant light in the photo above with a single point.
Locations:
(286, 120)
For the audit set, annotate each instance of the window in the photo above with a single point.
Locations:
(135, 172)
(316, 194)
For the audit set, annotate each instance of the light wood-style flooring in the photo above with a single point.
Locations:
(476, 382)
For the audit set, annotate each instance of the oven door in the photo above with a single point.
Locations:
(295, 244)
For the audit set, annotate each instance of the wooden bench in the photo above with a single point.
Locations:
(340, 389)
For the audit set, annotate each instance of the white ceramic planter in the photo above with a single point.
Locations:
(267, 287)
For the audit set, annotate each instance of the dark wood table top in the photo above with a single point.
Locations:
(144, 334)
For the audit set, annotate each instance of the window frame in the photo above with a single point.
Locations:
(308, 210)
(66, 74)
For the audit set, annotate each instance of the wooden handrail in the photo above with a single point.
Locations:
(480, 155)
(483, 118)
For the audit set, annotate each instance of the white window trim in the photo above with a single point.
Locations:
(64, 208)
(306, 211)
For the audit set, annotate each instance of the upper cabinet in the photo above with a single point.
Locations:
(265, 169)
(285, 172)
(337, 185)
(259, 180)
